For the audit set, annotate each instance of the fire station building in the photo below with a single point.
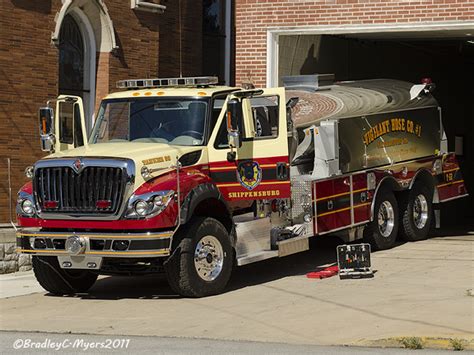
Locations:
(82, 47)
(364, 39)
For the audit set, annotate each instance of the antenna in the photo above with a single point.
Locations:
(180, 42)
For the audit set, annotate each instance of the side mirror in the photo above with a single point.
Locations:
(234, 140)
(46, 120)
(46, 128)
(47, 143)
(234, 123)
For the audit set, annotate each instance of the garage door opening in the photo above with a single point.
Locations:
(447, 58)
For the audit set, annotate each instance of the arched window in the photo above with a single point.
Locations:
(71, 59)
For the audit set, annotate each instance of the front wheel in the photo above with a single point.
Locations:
(417, 213)
(60, 281)
(202, 259)
(381, 233)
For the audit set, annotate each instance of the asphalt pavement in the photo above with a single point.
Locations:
(47, 343)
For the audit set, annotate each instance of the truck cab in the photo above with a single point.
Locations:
(164, 157)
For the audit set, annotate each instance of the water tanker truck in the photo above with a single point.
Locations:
(189, 178)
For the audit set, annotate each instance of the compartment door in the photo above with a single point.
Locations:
(333, 204)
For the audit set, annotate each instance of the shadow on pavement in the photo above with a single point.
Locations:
(322, 252)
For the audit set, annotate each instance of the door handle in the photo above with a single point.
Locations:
(281, 171)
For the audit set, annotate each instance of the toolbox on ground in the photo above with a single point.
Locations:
(354, 261)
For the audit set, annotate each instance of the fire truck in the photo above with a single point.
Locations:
(189, 178)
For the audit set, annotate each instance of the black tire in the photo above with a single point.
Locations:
(383, 236)
(59, 281)
(181, 272)
(416, 227)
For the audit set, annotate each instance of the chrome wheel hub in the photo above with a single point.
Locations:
(208, 258)
(420, 211)
(386, 218)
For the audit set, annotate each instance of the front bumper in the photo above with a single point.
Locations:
(97, 244)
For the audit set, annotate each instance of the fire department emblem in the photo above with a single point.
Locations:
(249, 174)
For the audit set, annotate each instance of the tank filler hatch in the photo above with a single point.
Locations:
(310, 83)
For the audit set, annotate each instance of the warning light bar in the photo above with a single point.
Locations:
(167, 82)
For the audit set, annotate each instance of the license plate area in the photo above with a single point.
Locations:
(85, 262)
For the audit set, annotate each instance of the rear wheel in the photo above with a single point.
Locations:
(59, 281)
(202, 259)
(381, 233)
(417, 213)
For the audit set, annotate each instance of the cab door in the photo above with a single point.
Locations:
(69, 125)
(261, 166)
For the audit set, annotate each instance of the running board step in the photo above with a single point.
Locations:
(285, 247)
(293, 246)
(252, 258)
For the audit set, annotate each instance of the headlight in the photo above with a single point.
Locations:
(141, 208)
(148, 205)
(27, 207)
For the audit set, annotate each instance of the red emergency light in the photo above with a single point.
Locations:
(103, 204)
(50, 204)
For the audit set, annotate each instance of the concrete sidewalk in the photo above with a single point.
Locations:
(19, 284)
(419, 289)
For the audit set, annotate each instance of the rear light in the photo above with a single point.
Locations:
(426, 81)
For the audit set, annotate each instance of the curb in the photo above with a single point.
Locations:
(438, 343)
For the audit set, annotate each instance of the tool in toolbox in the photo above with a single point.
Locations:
(354, 261)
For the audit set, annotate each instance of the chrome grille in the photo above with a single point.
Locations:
(94, 189)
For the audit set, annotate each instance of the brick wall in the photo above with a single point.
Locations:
(254, 17)
(191, 34)
(29, 68)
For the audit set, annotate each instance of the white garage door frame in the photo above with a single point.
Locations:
(273, 36)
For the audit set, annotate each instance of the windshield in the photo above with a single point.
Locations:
(175, 121)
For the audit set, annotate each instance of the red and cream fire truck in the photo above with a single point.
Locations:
(187, 177)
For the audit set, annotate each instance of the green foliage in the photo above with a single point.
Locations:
(412, 343)
(457, 344)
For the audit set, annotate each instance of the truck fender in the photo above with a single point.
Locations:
(389, 181)
(203, 194)
(425, 176)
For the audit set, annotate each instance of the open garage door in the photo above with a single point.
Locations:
(447, 57)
